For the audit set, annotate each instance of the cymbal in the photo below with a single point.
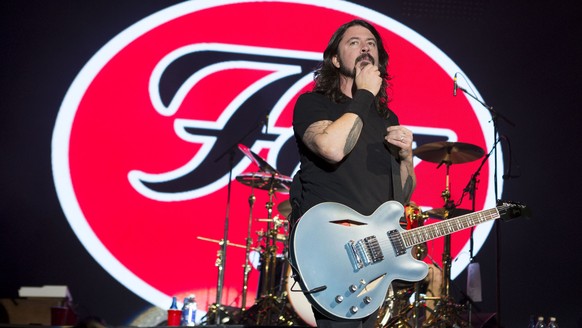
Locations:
(265, 181)
(445, 152)
(439, 213)
(284, 208)
(258, 160)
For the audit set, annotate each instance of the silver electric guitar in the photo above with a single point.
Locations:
(346, 261)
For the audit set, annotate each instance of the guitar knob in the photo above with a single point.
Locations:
(353, 288)
(367, 300)
(354, 309)
(339, 299)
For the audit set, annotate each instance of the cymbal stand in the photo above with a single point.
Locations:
(404, 310)
(270, 308)
(411, 312)
(445, 311)
(269, 260)
(247, 266)
(419, 252)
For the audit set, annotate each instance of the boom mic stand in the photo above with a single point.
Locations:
(217, 308)
(494, 117)
(471, 189)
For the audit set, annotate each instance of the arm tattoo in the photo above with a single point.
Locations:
(353, 136)
(315, 129)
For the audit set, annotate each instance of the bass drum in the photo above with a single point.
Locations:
(298, 301)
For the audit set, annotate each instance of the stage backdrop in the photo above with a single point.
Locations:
(126, 127)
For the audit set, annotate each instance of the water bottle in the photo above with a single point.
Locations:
(189, 311)
(174, 305)
(553, 323)
(540, 323)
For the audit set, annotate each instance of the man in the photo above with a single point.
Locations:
(353, 150)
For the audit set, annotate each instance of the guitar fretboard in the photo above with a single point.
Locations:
(431, 231)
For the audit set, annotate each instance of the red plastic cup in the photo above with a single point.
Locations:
(174, 317)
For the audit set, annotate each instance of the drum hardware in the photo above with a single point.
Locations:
(247, 266)
(217, 311)
(277, 222)
(398, 311)
(220, 242)
(274, 232)
(271, 307)
(271, 310)
(284, 208)
(417, 218)
(446, 312)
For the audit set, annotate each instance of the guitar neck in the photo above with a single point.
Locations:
(432, 231)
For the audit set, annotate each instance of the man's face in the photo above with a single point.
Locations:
(357, 47)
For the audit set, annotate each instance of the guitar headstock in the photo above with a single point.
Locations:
(510, 210)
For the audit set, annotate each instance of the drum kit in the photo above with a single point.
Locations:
(272, 306)
(405, 305)
(278, 305)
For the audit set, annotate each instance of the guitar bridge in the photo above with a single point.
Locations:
(364, 252)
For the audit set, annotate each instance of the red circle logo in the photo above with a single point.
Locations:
(144, 148)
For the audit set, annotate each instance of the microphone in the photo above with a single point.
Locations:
(456, 86)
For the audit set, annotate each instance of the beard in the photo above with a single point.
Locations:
(352, 73)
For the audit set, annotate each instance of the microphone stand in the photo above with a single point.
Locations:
(471, 189)
(494, 117)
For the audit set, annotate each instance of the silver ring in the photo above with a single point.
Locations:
(402, 139)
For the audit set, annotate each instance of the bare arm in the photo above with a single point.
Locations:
(402, 138)
(334, 140)
(408, 178)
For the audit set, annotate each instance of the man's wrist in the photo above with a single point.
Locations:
(361, 104)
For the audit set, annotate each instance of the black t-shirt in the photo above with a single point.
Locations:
(363, 180)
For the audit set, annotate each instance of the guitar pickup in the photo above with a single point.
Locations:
(397, 242)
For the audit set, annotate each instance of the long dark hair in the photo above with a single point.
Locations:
(327, 76)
